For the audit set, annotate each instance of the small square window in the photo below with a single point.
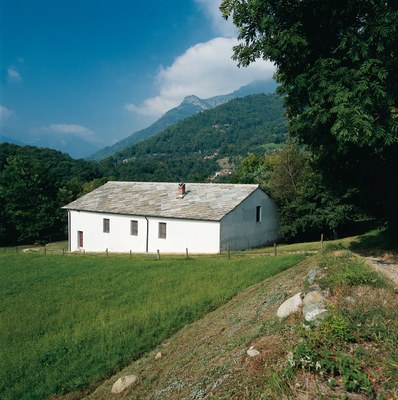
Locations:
(106, 225)
(162, 230)
(258, 214)
(134, 228)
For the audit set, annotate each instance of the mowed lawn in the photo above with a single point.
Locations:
(68, 321)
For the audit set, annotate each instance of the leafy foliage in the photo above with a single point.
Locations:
(34, 185)
(307, 207)
(337, 65)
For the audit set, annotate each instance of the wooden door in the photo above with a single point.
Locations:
(80, 238)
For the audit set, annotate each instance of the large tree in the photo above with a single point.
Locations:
(28, 198)
(337, 63)
(307, 208)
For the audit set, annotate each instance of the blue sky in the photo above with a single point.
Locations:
(102, 69)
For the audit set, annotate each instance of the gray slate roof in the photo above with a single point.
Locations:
(202, 201)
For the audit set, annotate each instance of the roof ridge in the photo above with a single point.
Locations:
(204, 201)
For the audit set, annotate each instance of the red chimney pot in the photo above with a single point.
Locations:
(181, 190)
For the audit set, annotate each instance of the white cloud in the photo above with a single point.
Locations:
(204, 70)
(77, 130)
(13, 75)
(220, 26)
(5, 113)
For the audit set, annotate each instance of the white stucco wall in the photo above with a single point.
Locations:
(239, 229)
(197, 236)
(94, 239)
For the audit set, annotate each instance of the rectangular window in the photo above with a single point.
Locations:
(162, 230)
(258, 214)
(105, 225)
(134, 228)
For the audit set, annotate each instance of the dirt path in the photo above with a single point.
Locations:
(386, 264)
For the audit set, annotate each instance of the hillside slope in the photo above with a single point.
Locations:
(193, 149)
(351, 354)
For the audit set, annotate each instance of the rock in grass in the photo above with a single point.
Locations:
(252, 352)
(311, 275)
(123, 383)
(290, 306)
(314, 306)
(350, 300)
(314, 311)
(313, 297)
(158, 356)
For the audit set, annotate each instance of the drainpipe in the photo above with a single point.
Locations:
(147, 234)
(69, 231)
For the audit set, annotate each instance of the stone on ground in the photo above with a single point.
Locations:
(290, 306)
(314, 311)
(313, 297)
(252, 352)
(123, 383)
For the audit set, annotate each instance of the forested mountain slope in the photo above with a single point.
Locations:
(192, 149)
(191, 105)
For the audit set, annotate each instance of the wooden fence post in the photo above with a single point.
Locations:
(229, 252)
(158, 254)
(186, 252)
(322, 241)
(275, 251)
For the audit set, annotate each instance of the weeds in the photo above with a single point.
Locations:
(348, 270)
(351, 337)
(322, 350)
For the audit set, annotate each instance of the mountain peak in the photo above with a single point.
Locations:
(189, 106)
(194, 101)
(190, 99)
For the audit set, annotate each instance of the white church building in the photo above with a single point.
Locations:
(144, 217)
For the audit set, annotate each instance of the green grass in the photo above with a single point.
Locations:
(310, 247)
(68, 321)
(376, 239)
(347, 270)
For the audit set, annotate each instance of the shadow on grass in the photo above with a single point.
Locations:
(380, 239)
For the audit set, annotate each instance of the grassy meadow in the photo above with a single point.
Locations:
(69, 321)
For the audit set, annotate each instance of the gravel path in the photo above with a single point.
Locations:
(385, 266)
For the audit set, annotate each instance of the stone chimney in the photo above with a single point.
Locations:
(181, 190)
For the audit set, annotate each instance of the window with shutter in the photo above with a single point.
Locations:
(162, 230)
(134, 228)
(106, 225)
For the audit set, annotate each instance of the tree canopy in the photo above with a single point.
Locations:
(307, 208)
(34, 185)
(337, 64)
